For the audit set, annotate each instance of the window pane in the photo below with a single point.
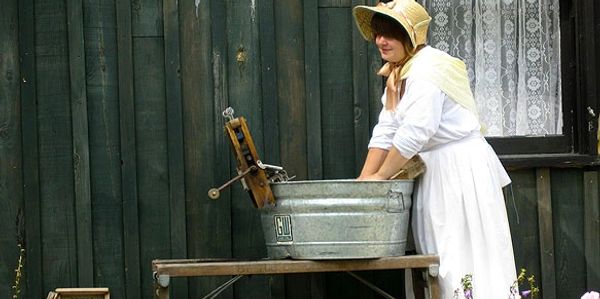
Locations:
(512, 50)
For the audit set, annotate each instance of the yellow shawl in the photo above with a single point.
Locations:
(448, 73)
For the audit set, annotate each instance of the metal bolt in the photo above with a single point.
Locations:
(434, 270)
(591, 111)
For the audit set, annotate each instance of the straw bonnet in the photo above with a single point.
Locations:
(410, 14)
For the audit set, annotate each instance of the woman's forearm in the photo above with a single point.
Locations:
(374, 160)
(392, 164)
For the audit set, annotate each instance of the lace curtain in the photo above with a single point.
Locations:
(512, 51)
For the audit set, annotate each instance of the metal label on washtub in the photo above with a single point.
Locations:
(283, 228)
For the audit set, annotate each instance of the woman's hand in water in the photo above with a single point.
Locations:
(371, 177)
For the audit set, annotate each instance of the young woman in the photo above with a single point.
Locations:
(458, 205)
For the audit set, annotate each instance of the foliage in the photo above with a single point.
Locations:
(466, 289)
(19, 272)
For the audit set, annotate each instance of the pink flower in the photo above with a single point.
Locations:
(591, 295)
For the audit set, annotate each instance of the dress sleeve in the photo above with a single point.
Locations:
(421, 112)
(384, 130)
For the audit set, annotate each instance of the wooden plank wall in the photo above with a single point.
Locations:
(109, 158)
(111, 134)
(11, 192)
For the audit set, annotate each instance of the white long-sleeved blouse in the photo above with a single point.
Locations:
(424, 118)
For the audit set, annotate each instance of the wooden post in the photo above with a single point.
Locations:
(546, 233)
(591, 228)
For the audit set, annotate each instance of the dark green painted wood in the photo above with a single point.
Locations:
(244, 93)
(147, 18)
(293, 120)
(591, 212)
(588, 57)
(312, 90)
(376, 82)
(129, 180)
(334, 3)
(376, 86)
(268, 83)
(597, 29)
(342, 285)
(298, 286)
(175, 139)
(522, 209)
(296, 24)
(11, 172)
(151, 147)
(29, 123)
(81, 153)
(391, 281)
(207, 160)
(59, 262)
(336, 92)
(360, 83)
(567, 205)
(270, 104)
(102, 84)
(214, 117)
(318, 285)
(544, 201)
(220, 91)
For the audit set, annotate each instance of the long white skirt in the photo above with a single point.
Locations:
(459, 214)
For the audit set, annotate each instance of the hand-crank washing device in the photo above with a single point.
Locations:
(321, 219)
(254, 175)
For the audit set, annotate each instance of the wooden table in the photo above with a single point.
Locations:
(165, 269)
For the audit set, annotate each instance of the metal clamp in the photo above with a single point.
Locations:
(162, 280)
(228, 113)
(434, 270)
(264, 166)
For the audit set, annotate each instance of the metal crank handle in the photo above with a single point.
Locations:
(264, 166)
(214, 193)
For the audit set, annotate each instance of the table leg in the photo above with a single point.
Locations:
(433, 282)
(434, 288)
(160, 292)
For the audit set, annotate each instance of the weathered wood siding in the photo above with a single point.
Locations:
(11, 162)
(111, 134)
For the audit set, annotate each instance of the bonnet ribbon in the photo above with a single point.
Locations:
(392, 72)
(395, 72)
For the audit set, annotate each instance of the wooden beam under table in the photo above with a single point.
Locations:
(164, 269)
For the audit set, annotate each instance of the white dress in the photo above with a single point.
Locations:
(458, 206)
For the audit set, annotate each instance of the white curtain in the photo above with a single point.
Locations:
(512, 51)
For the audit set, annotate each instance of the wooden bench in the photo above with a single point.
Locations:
(165, 269)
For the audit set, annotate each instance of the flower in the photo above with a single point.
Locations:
(468, 294)
(591, 295)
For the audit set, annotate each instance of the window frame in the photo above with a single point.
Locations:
(577, 146)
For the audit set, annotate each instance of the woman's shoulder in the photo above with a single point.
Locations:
(433, 57)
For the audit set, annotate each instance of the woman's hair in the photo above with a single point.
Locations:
(390, 28)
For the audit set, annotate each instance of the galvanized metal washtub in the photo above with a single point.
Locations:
(337, 219)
